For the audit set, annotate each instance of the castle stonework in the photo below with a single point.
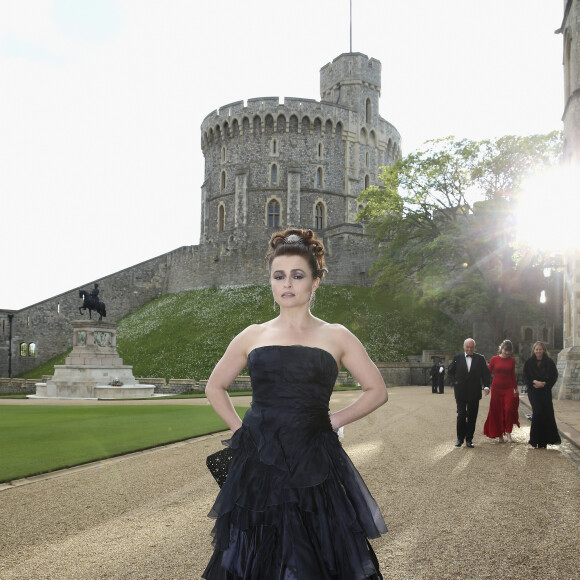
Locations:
(568, 385)
(302, 162)
(268, 165)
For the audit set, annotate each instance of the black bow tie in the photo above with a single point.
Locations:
(469, 355)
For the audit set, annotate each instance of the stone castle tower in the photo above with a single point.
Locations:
(268, 165)
(301, 162)
(568, 385)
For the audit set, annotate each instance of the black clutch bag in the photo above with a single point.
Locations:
(219, 464)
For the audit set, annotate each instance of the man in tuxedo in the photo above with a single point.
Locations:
(441, 377)
(468, 373)
(434, 377)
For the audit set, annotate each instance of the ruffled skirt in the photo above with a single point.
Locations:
(286, 513)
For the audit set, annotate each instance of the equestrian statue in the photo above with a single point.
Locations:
(91, 302)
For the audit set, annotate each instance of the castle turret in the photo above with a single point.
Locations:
(354, 81)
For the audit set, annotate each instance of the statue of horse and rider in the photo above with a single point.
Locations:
(91, 302)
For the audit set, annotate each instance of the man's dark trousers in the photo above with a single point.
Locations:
(466, 418)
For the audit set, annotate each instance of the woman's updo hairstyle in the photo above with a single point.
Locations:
(507, 344)
(298, 242)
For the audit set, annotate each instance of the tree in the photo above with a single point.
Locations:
(443, 222)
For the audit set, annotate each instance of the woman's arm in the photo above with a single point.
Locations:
(552, 373)
(514, 378)
(355, 358)
(528, 378)
(224, 373)
(490, 368)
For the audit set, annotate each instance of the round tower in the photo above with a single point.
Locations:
(270, 163)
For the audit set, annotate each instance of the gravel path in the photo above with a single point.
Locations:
(497, 511)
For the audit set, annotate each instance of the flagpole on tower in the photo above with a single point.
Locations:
(350, 25)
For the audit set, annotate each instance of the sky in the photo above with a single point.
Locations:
(101, 104)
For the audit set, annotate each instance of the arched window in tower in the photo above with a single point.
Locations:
(224, 155)
(23, 349)
(319, 216)
(221, 218)
(367, 181)
(369, 111)
(320, 150)
(32, 349)
(367, 158)
(223, 180)
(364, 139)
(274, 146)
(273, 174)
(319, 177)
(273, 214)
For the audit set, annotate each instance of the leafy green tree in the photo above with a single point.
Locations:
(443, 222)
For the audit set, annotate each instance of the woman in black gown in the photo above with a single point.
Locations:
(293, 506)
(540, 375)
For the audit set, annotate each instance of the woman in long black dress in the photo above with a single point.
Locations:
(540, 375)
(293, 506)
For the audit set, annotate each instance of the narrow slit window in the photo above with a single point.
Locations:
(319, 216)
(273, 214)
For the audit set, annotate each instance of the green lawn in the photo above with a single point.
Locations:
(40, 439)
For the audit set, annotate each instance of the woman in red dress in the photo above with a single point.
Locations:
(503, 407)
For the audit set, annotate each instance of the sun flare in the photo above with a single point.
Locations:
(549, 208)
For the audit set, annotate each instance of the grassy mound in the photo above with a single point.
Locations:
(183, 335)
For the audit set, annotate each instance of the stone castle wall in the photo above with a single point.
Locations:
(571, 57)
(47, 324)
(568, 385)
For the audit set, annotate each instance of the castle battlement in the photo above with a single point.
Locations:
(236, 119)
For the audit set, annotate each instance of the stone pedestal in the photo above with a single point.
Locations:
(93, 370)
(568, 384)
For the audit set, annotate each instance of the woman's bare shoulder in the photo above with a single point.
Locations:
(244, 341)
(337, 331)
(337, 339)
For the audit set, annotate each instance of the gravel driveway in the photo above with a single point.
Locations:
(497, 511)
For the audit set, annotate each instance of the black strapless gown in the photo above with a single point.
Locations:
(293, 507)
